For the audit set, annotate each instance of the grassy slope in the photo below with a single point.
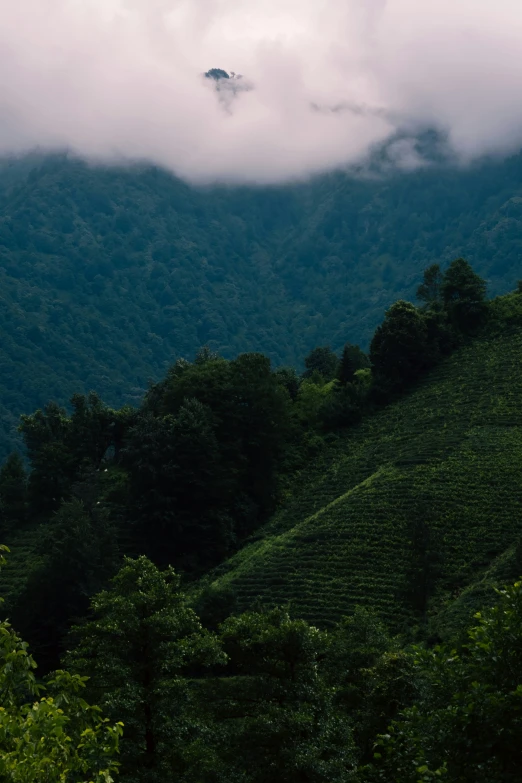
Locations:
(449, 452)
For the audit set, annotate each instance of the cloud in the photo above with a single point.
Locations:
(115, 80)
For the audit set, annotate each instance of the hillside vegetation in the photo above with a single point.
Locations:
(383, 480)
(109, 275)
(415, 504)
(282, 528)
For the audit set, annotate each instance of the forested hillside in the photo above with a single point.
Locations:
(350, 461)
(274, 575)
(109, 275)
(416, 510)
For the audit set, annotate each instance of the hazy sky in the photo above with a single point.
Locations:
(119, 79)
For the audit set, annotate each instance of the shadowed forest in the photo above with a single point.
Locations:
(271, 573)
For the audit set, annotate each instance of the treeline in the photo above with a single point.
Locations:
(263, 698)
(188, 476)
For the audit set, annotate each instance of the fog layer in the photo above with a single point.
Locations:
(330, 79)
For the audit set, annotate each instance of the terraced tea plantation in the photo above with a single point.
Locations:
(447, 457)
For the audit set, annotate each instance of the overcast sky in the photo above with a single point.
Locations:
(117, 79)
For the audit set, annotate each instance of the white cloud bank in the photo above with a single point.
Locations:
(121, 79)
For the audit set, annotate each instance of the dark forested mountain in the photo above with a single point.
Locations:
(109, 275)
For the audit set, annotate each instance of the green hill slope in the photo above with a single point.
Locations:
(433, 479)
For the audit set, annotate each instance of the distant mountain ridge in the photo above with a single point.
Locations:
(108, 275)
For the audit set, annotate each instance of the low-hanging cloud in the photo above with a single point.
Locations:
(118, 80)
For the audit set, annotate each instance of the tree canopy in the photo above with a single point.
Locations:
(48, 732)
(142, 642)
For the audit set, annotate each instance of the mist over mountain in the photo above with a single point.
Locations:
(121, 80)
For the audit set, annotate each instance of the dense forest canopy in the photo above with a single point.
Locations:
(109, 275)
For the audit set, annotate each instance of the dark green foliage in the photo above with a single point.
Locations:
(94, 430)
(443, 337)
(59, 446)
(425, 566)
(13, 493)
(352, 359)
(272, 699)
(250, 411)
(288, 377)
(214, 605)
(184, 479)
(48, 732)
(410, 340)
(341, 408)
(276, 714)
(181, 491)
(78, 552)
(268, 713)
(464, 296)
(430, 290)
(141, 643)
(323, 361)
(372, 676)
(466, 723)
(45, 435)
(399, 351)
(355, 645)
